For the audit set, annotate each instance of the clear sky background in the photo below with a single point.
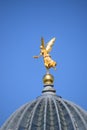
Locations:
(22, 24)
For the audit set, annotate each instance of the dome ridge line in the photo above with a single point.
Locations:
(45, 111)
(34, 110)
(57, 114)
(83, 121)
(14, 117)
(81, 109)
(27, 107)
(69, 113)
(8, 120)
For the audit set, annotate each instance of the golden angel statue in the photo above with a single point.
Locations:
(44, 51)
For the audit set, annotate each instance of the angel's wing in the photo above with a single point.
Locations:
(42, 43)
(50, 44)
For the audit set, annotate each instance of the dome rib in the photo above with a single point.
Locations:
(25, 121)
(76, 112)
(38, 119)
(12, 121)
(57, 114)
(45, 113)
(83, 112)
(32, 117)
(72, 126)
(25, 113)
(51, 115)
(8, 121)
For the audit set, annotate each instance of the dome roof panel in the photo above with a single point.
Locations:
(48, 112)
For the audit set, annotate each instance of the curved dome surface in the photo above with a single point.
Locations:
(48, 112)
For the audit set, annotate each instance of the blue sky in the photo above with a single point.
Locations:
(22, 24)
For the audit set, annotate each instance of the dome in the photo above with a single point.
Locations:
(48, 112)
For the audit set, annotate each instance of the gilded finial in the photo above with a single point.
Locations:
(48, 79)
(44, 52)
